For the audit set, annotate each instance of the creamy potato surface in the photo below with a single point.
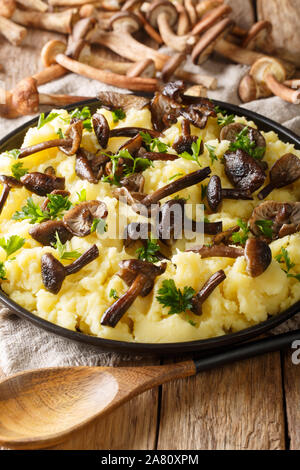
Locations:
(238, 302)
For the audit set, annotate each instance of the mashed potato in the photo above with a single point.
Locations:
(238, 302)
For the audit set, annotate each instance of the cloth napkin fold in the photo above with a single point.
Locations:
(25, 346)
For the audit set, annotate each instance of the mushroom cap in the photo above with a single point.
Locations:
(42, 183)
(10, 181)
(130, 268)
(125, 21)
(79, 219)
(83, 168)
(214, 193)
(278, 212)
(265, 66)
(143, 68)
(162, 6)
(230, 132)
(243, 171)
(248, 89)
(101, 129)
(132, 5)
(134, 183)
(172, 65)
(45, 232)
(50, 50)
(207, 41)
(258, 256)
(112, 100)
(258, 35)
(53, 273)
(25, 96)
(74, 132)
(285, 171)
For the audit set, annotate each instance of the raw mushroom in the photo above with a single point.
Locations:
(243, 171)
(14, 33)
(259, 37)
(7, 183)
(269, 75)
(219, 251)
(208, 41)
(101, 129)
(45, 233)
(139, 276)
(206, 290)
(211, 19)
(215, 193)
(135, 7)
(175, 186)
(285, 171)
(54, 272)
(258, 256)
(60, 22)
(7, 7)
(163, 15)
(42, 183)
(79, 219)
(285, 218)
(184, 142)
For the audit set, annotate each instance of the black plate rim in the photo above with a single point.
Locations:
(163, 348)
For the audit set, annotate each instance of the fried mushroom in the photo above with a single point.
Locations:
(79, 219)
(243, 171)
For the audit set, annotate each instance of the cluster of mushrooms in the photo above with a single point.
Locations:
(246, 175)
(135, 30)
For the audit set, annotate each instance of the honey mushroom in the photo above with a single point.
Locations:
(183, 23)
(135, 7)
(14, 33)
(60, 22)
(36, 5)
(7, 182)
(215, 193)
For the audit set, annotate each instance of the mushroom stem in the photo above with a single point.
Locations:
(175, 186)
(207, 5)
(87, 257)
(7, 7)
(210, 228)
(4, 196)
(294, 83)
(44, 145)
(14, 33)
(230, 193)
(49, 73)
(219, 251)
(206, 290)
(206, 80)
(116, 311)
(284, 92)
(215, 15)
(36, 5)
(110, 78)
(236, 53)
(60, 100)
(183, 24)
(178, 43)
(126, 46)
(61, 22)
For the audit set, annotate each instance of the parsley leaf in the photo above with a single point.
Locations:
(100, 225)
(2, 271)
(57, 205)
(203, 191)
(225, 120)
(147, 253)
(175, 176)
(55, 208)
(172, 297)
(84, 115)
(81, 196)
(44, 120)
(113, 294)
(243, 142)
(62, 249)
(196, 147)
(118, 115)
(14, 153)
(139, 164)
(211, 150)
(265, 226)
(11, 244)
(18, 171)
(153, 143)
(242, 235)
(284, 257)
(60, 133)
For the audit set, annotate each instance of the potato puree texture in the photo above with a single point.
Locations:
(239, 302)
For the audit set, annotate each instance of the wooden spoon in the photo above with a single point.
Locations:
(43, 407)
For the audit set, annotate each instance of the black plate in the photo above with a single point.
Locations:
(15, 139)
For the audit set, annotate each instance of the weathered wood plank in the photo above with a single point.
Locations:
(291, 374)
(239, 406)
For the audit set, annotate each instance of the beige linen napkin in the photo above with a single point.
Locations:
(25, 346)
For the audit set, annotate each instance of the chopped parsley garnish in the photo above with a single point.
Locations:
(100, 225)
(203, 191)
(148, 252)
(196, 147)
(284, 257)
(62, 249)
(2, 271)
(175, 176)
(139, 164)
(211, 150)
(170, 296)
(118, 115)
(113, 294)
(243, 142)
(84, 115)
(14, 153)
(11, 244)
(18, 171)
(60, 133)
(153, 144)
(44, 120)
(225, 120)
(81, 196)
(265, 226)
(55, 209)
(242, 235)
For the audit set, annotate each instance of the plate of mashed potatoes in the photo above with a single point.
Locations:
(162, 224)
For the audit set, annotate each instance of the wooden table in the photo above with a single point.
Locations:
(250, 405)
